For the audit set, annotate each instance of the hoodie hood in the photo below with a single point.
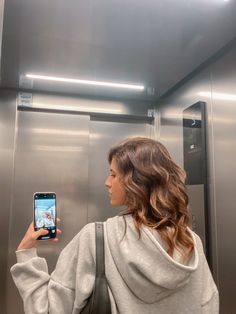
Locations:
(146, 268)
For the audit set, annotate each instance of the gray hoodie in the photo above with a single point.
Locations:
(142, 277)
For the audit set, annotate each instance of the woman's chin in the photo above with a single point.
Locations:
(115, 203)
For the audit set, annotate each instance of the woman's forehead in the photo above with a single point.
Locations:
(113, 165)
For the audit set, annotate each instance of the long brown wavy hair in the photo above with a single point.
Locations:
(155, 191)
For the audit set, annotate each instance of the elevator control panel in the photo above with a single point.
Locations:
(194, 138)
(195, 165)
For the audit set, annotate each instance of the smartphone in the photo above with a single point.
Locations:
(45, 215)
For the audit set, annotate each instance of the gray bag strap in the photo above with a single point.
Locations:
(100, 253)
(99, 301)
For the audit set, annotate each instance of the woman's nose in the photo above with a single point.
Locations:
(107, 182)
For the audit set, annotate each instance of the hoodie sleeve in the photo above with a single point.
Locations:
(68, 287)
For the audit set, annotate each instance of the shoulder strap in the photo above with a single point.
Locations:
(100, 265)
(99, 301)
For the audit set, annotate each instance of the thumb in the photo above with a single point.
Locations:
(40, 232)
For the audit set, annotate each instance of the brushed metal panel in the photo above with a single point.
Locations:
(51, 155)
(224, 141)
(104, 134)
(96, 105)
(7, 132)
(215, 85)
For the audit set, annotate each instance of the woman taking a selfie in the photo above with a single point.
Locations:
(154, 263)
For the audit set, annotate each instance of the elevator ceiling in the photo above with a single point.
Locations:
(152, 42)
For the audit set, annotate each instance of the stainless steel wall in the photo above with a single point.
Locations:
(217, 86)
(100, 106)
(63, 150)
(51, 155)
(7, 132)
(224, 143)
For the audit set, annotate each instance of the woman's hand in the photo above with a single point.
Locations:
(30, 238)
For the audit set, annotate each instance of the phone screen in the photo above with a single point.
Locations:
(45, 213)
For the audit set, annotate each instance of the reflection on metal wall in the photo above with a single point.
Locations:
(65, 153)
(7, 131)
(103, 106)
(224, 142)
(216, 86)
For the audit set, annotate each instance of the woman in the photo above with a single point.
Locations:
(154, 262)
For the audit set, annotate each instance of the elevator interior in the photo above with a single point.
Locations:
(182, 51)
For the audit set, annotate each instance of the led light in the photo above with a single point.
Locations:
(85, 82)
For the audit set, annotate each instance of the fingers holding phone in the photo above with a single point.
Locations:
(31, 236)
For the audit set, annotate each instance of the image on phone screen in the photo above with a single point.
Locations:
(45, 213)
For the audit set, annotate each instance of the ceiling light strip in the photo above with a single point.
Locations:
(85, 82)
